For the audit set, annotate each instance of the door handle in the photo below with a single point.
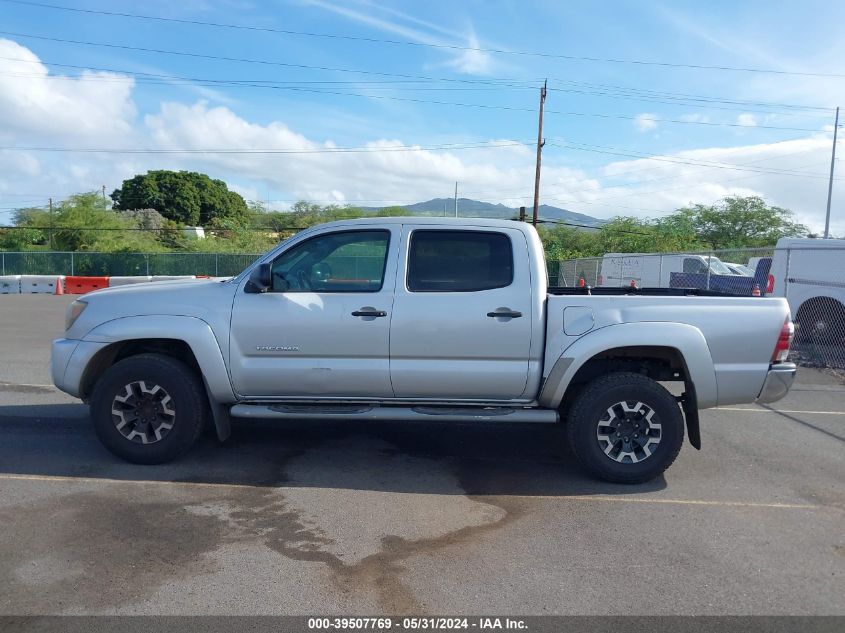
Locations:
(505, 312)
(369, 312)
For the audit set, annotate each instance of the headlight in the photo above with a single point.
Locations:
(74, 310)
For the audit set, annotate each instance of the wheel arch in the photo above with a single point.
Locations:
(117, 351)
(662, 351)
(820, 302)
(188, 339)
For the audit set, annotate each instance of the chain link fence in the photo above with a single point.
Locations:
(124, 264)
(809, 274)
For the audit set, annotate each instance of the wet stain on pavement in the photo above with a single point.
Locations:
(99, 550)
(129, 542)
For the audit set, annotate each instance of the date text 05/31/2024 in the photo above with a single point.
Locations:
(412, 623)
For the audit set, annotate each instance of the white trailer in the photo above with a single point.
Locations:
(810, 273)
(650, 270)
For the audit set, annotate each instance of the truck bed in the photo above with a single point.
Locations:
(626, 290)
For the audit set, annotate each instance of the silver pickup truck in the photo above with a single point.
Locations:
(419, 319)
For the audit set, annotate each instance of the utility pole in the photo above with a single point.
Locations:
(456, 199)
(51, 224)
(540, 143)
(522, 214)
(830, 182)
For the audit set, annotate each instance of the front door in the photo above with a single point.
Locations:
(462, 315)
(323, 330)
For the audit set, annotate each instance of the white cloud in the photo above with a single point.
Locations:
(645, 121)
(37, 105)
(385, 176)
(658, 185)
(470, 62)
(748, 120)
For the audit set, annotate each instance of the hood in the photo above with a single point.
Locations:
(203, 299)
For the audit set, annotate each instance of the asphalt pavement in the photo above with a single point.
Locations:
(322, 518)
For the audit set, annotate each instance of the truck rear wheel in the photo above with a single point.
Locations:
(148, 409)
(625, 428)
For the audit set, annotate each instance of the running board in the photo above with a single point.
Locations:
(394, 414)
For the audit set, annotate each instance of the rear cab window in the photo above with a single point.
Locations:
(459, 261)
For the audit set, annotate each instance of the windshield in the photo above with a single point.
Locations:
(717, 267)
(743, 270)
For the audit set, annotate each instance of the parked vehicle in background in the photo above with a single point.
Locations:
(649, 270)
(810, 274)
(680, 270)
(739, 269)
(446, 320)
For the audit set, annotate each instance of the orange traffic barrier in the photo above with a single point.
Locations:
(81, 285)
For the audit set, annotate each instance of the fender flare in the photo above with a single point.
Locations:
(686, 339)
(195, 332)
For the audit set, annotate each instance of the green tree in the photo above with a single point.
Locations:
(184, 197)
(738, 222)
(27, 233)
(392, 212)
(83, 222)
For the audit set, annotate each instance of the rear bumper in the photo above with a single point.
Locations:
(778, 381)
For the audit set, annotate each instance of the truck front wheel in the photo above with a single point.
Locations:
(625, 428)
(148, 409)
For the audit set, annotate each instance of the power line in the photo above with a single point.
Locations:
(332, 150)
(392, 86)
(445, 147)
(628, 172)
(394, 98)
(604, 199)
(667, 159)
(242, 60)
(493, 82)
(58, 228)
(595, 228)
(689, 96)
(579, 58)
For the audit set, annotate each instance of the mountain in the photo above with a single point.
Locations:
(468, 208)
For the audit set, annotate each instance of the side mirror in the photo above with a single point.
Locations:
(260, 279)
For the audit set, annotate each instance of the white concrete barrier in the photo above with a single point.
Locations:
(124, 281)
(10, 285)
(171, 277)
(40, 284)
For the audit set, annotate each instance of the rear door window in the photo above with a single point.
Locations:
(459, 261)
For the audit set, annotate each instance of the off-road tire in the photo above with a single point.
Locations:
(592, 404)
(187, 399)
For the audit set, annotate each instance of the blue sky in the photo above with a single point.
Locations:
(713, 132)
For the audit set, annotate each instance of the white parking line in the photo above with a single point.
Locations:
(778, 411)
(3, 383)
(590, 498)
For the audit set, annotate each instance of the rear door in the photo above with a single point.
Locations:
(462, 314)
